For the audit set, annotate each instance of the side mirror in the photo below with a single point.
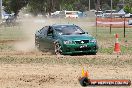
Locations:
(51, 35)
(129, 22)
(86, 32)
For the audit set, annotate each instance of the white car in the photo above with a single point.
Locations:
(128, 15)
(129, 22)
(71, 14)
(99, 13)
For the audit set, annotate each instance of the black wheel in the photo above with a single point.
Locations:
(84, 81)
(58, 49)
(37, 43)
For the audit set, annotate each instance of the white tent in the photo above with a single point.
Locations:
(122, 12)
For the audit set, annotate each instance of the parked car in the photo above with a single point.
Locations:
(67, 14)
(71, 14)
(109, 13)
(65, 39)
(128, 15)
(129, 22)
(99, 13)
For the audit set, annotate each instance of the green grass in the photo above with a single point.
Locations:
(108, 50)
(11, 33)
(126, 49)
(5, 47)
(104, 32)
(8, 35)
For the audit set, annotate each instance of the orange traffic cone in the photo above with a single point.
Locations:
(84, 73)
(117, 45)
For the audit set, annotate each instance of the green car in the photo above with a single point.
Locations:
(65, 39)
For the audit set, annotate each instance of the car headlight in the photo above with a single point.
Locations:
(93, 41)
(67, 42)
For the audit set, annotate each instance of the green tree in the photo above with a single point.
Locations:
(48, 6)
(14, 5)
(128, 6)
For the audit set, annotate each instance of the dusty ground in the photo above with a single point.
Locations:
(33, 70)
(55, 76)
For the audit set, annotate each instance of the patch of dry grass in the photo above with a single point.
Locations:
(120, 60)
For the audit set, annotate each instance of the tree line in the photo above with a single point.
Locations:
(48, 6)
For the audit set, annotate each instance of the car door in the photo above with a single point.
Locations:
(42, 37)
(42, 32)
(48, 40)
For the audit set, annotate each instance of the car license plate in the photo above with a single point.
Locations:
(84, 46)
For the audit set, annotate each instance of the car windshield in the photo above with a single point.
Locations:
(68, 30)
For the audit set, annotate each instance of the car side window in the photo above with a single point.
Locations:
(41, 30)
(44, 30)
(50, 31)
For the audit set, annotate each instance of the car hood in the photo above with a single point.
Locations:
(77, 37)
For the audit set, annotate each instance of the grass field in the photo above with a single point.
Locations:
(35, 69)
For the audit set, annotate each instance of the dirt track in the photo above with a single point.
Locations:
(34, 69)
(55, 76)
(24, 70)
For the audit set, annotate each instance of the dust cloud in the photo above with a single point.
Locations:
(29, 25)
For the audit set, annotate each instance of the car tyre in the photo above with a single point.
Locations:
(58, 49)
(84, 81)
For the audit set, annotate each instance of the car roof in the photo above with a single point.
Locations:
(57, 25)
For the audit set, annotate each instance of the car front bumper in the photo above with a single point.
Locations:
(79, 48)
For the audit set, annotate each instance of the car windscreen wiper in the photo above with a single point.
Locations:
(82, 33)
(67, 33)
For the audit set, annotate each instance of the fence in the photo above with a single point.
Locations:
(114, 22)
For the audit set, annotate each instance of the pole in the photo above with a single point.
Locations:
(111, 17)
(124, 23)
(0, 9)
(124, 28)
(89, 5)
(96, 25)
(96, 16)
